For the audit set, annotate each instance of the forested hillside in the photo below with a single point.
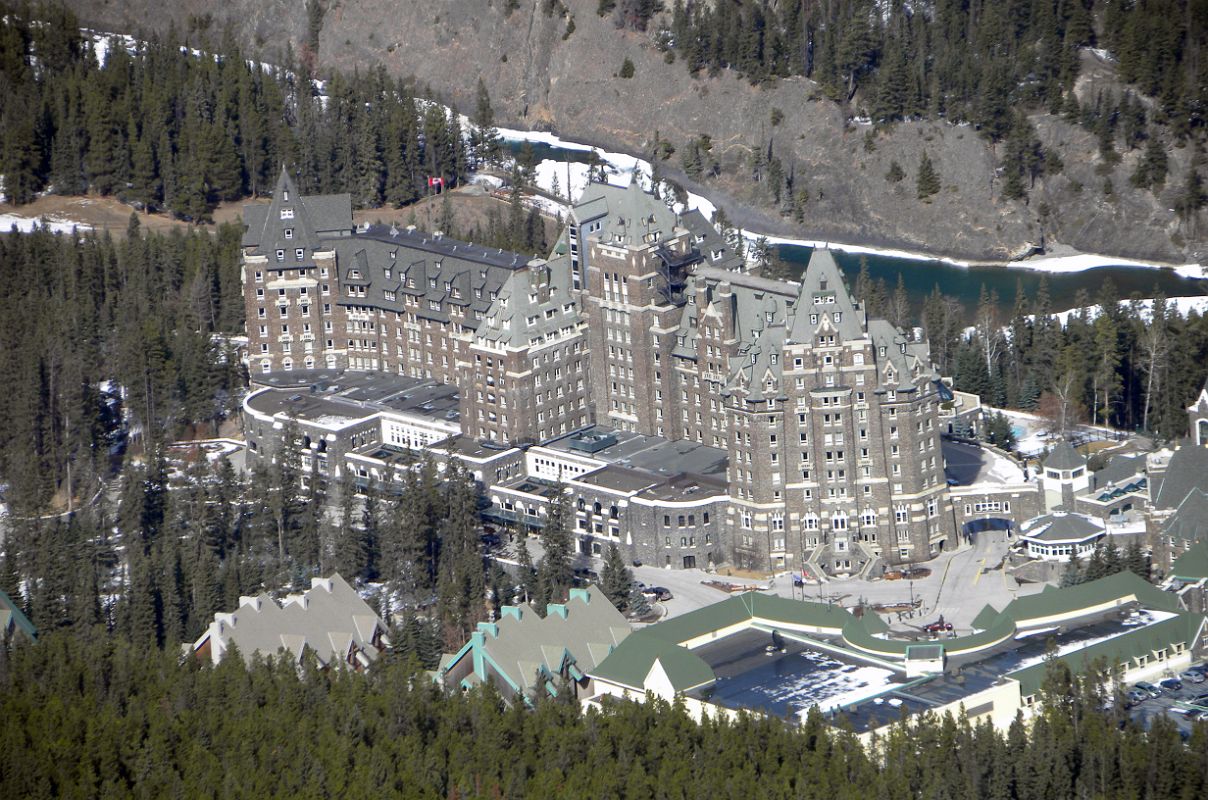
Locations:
(1075, 123)
(91, 329)
(169, 129)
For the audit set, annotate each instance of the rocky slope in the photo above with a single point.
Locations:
(540, 78)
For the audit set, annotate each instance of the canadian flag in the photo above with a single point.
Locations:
(434, 182)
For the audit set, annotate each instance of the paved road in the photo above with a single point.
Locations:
(959, 585)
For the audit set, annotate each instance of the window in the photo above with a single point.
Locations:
(280, 255)
(901, 513)
(299, 253)
(287, 213)
(289, 233)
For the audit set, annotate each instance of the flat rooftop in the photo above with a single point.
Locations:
(472, 448)
(655, 454)
(787, 684)
(332, 397)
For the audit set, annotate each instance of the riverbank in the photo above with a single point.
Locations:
(552, 174)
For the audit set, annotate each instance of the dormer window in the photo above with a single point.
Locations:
(287, 213)
(813, 319)
(716, 254)
(280, 255)
(289, 233)
(838, 317)
(768, 316)
(299, 254)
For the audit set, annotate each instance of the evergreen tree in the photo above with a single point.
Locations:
(556, 570)
(616, 581)
(927, 181)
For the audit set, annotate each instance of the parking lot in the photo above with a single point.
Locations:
(1171, 705)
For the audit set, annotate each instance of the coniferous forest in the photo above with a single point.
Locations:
(964, 60)
(96, 716)
(166, 128)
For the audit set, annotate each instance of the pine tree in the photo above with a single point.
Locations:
(927, 181)
(556, 568)
(616, 581)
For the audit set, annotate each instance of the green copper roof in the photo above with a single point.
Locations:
(1121, 586)
(19, 620)
(1183, 628)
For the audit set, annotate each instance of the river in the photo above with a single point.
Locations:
(921, 275)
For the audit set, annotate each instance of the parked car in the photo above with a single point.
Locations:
(1192, 676)
(1149, 689)
(658, 593)
(490, 541)
(1201, 699)
(1171, 684)
(938, 627)
(1136, 696)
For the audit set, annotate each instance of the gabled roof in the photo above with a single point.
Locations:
(1190, 519)
(630, 213)
(291, 221)
(330, 619)
(528, 650)
(823, 293)
(1186, 471)
(12, 618)
(1192, 565)
(1064, 456)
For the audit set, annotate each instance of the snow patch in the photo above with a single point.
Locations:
(28, 224)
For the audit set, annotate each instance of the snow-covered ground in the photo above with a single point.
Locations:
(1084, 261)
(1184, 305)
(833, 685)
(28, 224)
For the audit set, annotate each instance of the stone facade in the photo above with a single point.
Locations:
(823, 424)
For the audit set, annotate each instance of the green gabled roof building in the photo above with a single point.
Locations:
(669, 659)
(14, 625)
(527, 655)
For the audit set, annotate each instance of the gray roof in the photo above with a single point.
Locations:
(1059, 527)
(1186, 472)
(630, 213)
(306, 221)
(431, 269)
(716, 251)
(1064, 456)
(823, 293)
(1119, 470)
(330, 619)
(530, 650)
(900, 361)
(1190, 520)
(338, 399)
(533, 305)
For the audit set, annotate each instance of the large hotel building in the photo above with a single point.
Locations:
(697, 414)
